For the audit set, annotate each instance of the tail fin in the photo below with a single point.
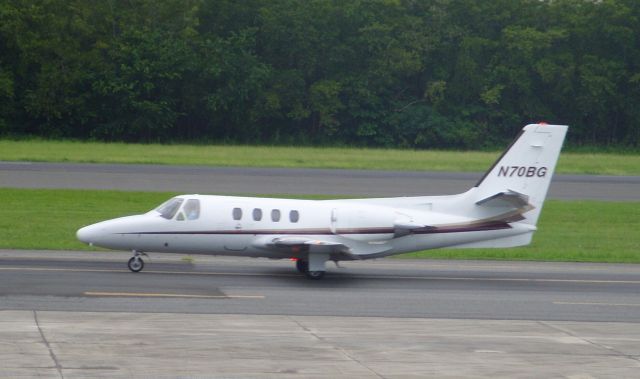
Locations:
(525, 168)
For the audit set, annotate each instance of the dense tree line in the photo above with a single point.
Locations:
(401, 73)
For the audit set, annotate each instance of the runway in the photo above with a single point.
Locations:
(370, 183)
(90, 281)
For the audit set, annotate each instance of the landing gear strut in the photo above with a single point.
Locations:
(136, 264)
(302, 266)
(314, 269)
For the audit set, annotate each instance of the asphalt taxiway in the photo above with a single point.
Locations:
(371, 183)
(91, 281)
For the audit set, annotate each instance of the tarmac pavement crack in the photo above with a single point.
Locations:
(58, 366)
(593, 343)
(340, 350)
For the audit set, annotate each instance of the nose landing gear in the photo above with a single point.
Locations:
(136, 264)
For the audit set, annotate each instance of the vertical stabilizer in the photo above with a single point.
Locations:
(526, 167)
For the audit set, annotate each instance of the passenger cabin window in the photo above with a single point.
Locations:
(192, 209)
(169, 208)
(237, 214)
(257, 214)
(294, 216)
(275, 215)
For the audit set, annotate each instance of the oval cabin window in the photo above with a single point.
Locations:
(237, 214)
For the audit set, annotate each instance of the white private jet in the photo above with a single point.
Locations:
(501, 210)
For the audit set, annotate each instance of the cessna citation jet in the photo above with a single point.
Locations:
(501, 210)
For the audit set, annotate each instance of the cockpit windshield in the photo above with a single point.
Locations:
(192, 209)
(169, 208)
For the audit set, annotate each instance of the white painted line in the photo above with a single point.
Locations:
(125, 271)
(56, 269)
(460, 278)
(142, 294)
(503, 279)
(602, 304)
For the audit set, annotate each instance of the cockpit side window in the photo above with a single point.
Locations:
(169, 208)
(192, 209)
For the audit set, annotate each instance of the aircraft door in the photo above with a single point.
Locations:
(236, 241)
(334, 220)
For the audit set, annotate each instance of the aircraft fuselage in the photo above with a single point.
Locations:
(501, 210)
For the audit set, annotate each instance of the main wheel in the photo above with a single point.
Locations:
(315, 275)
(136, 264)
(302, 266)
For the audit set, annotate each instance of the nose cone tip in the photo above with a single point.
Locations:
(84, 235)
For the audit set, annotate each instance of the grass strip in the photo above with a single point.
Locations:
(288, 157)
(585, 231)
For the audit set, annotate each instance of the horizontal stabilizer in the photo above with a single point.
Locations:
(507, 199)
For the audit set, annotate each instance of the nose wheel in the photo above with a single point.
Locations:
(136, 264)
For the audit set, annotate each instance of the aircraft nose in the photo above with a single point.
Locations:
(87, 234)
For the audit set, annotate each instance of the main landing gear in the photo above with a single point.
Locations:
(303, 267)
(315, 275)
(136, 264)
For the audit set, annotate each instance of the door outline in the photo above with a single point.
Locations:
(334, 220)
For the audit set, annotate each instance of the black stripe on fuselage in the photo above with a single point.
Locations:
(460, 228)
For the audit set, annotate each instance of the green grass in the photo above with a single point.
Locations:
(269, 156)
(48, 219)
(576, 231)
(568, 230)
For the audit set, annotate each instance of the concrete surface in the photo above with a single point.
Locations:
(157, 345)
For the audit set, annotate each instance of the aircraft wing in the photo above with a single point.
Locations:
(327, 244)
(307, 242)
(304, 244)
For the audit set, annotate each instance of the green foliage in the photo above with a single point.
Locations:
(402, 73)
